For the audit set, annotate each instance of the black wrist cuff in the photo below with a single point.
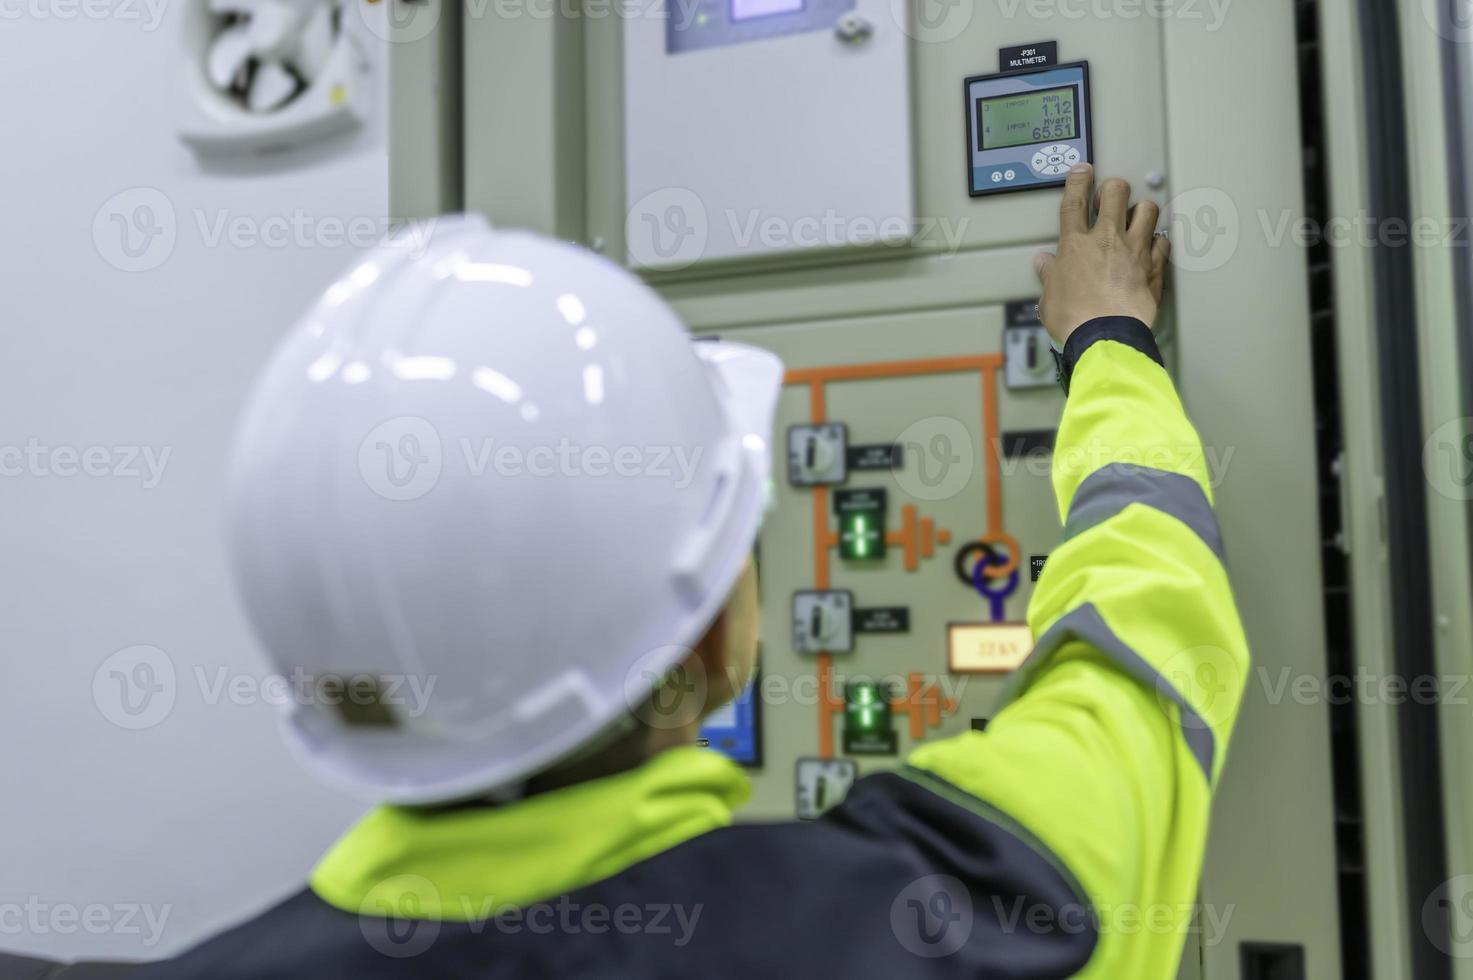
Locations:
(1125, 330)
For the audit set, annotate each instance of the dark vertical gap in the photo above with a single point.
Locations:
(452, 120)
(1458, 185)
(1350, 863)
(1408, 549)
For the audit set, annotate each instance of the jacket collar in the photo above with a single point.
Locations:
(473, 863)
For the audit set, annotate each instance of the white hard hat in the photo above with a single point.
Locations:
(499, 478)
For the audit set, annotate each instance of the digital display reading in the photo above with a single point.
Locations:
(1027, 117)
(748, 9)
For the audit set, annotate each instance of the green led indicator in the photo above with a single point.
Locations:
(868, 727)
(861, 523)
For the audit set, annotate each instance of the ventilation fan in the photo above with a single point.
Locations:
(270, 74)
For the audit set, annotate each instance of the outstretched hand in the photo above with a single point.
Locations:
(1115, 268)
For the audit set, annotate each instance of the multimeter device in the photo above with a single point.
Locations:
(1026, 128)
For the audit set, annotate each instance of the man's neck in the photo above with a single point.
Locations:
(629, 752)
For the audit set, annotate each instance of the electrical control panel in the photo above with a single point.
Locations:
(756, 128)
(788, 176)
(699, 24)
(893, 587)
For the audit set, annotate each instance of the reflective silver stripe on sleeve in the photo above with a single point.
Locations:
(1110, 489)
(1086, 625)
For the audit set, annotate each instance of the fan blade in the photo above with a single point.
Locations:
(271, 87)
(228, 55)
(274, 28)
(314, 47)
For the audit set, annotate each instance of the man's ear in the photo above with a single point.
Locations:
(726, 654)
(715, 664)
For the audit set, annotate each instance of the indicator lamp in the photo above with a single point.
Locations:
(868, 725)
(861, 523)
(860, 537)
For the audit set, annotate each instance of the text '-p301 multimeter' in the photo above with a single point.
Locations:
(1026, 128)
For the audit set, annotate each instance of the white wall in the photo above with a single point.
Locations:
(202, 817)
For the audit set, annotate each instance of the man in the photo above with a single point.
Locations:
(543, 819)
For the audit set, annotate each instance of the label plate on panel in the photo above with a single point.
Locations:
(882, 619)
(987, 648)
(1039, 55)
(882, 457)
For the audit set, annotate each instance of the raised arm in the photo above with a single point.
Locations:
(1115, 729)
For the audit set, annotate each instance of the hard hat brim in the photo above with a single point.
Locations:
(753, 378)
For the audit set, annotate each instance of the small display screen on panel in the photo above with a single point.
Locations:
(752, 9)
(1021, 118)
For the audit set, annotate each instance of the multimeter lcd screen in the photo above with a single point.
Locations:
(1027, 117)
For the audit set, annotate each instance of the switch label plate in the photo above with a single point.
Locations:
(882, 619)
(879, 457)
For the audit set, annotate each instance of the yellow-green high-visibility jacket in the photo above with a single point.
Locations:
(1064, 840)
(1117, 724)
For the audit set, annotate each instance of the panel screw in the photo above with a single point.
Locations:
(1156, 180)
(853, 29)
